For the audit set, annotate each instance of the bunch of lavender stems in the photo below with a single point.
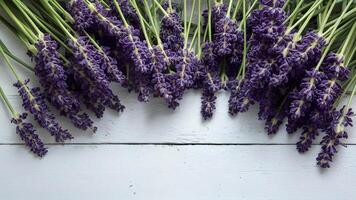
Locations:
(294, 59)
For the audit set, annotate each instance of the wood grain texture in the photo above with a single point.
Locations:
(114, 172)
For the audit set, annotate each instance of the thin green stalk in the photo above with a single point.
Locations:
(294, 14)
(236, 10)
(345, 90)
(192, 42)
(7, 103)
(243, 65)
(350, 37)
(229, 8)
(350, 99)
(331, 36)
(189, 25)
(9, 64)
(63, 11)
(45, 28)
(58, 21)
(209, 22)
(31, 36)
(311, 9)
(160, 7)
(117, 6)
(142, 23)
(12, 56)
(350, 55)
(326, 17)
(336, 25)
(350, 14)
(185, 16)
(28, 18)
(199, 29)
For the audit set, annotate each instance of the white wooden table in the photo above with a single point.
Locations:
(151, 152)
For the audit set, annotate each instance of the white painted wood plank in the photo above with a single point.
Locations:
(154, 123)
(174, 172)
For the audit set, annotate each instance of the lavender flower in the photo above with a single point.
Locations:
(34, 103)
(171, 31)
(307, 137)
(159, 64)
(310, 48)
(95, 96)
(52, 76)
(327, 93)
(309, 83)
(267, 24)
(84, 18)
(225, 36)
(110, 66)
(240, 99)
(219, 12)
(333, 67)
(136, 49)
(27, 134)
(185, 67)
(273, 3)
(334, 134)
(88, 59)
(208, 104)
(273, 123)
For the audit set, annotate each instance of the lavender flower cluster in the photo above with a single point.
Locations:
(258, 57)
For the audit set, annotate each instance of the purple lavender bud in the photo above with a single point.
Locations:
(273, 3)
(49, 68)
(212, 82)
(259, 72)
(333, 66)
(82, 121)
(307, 137)
(158, 64)
(177, 92)
(237, 50)
(171, 31)
(334, 134)
(309, 83)
(88, 59)
(327, 92)
(137, 50)
(267, 23)
(298, 107)
(34, 103)
(240, 100)
(142, 85)
(27, 134)
(95, 97)
(225, 36)
(185, 68)
(273, 123)
(208, 101)
(218, 12)
(319, 118)
(110, 66)
(294, 124)
(84, 18)
(209, 57)
(310, 48)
